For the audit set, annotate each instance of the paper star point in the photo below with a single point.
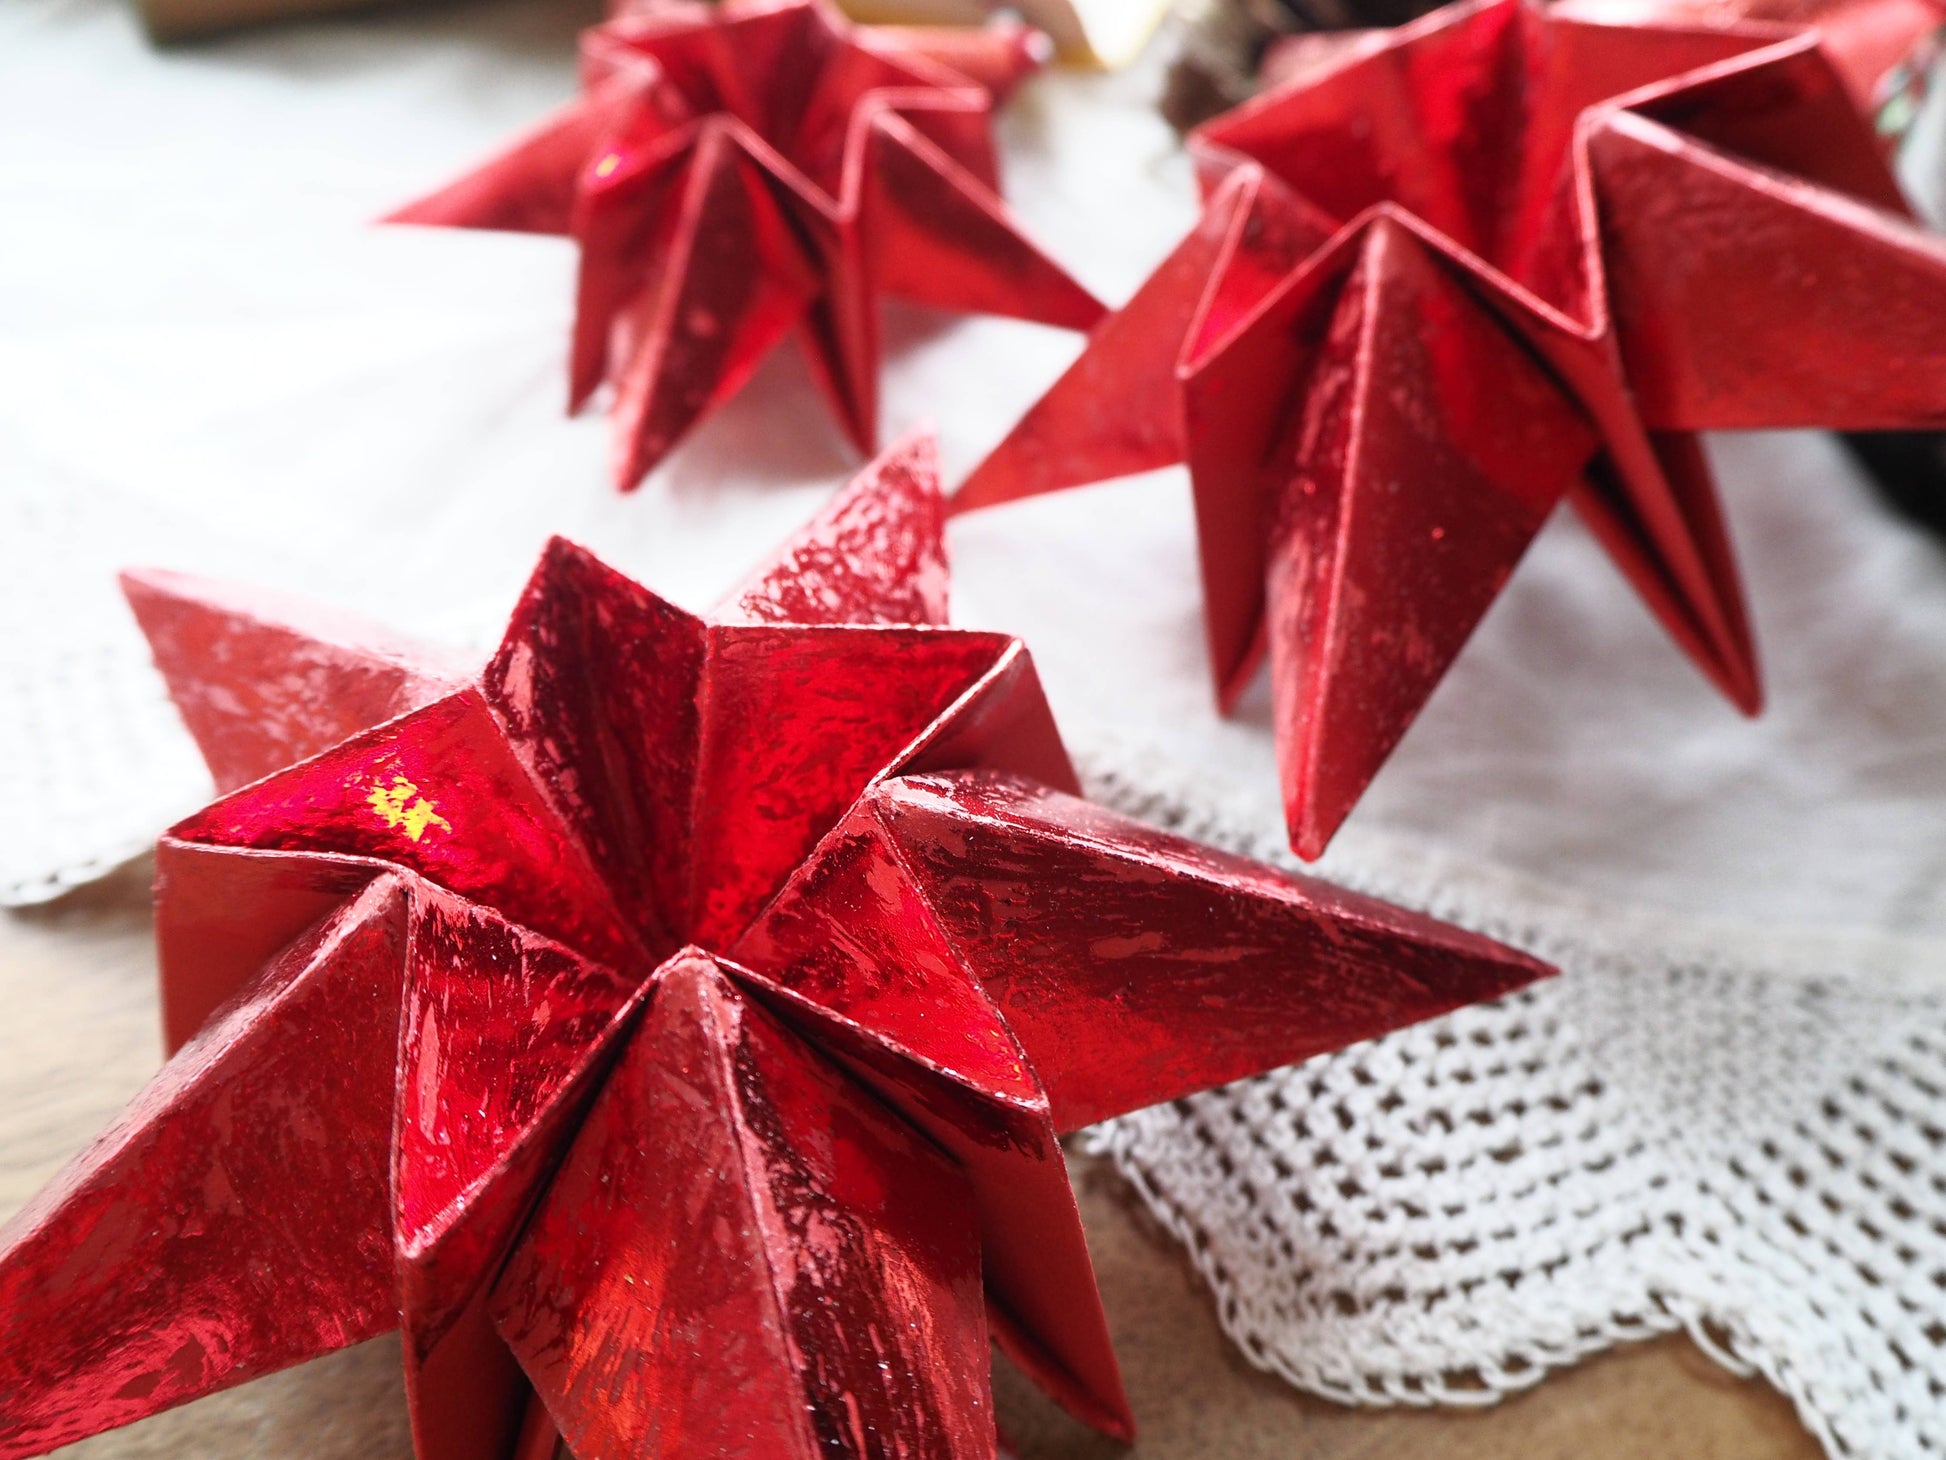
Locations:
(668, 1027)
(735, 174)
(1499, 256)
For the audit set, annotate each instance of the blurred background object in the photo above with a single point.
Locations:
(1885, 49)
(1104, 33)
(1231, 48)
(1889, 53)
(1882, 48)
(168, 20)
(1909, 470)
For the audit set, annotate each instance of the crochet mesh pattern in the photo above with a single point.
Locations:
(1746, 1146)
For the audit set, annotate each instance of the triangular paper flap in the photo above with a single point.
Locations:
(440, 792)
(1337, 136)
(1238, 399)
(1712, 626)
(956, 123)
(1466, 119)
(222, 913)
(677, 39)
(883, 1309)
(1864, 41)
(530, 187)
(627, 211)
(1837, 317)
(1275, 231)
(504, 1039)
(626, 44)
(939, 236)
(265, 679)
(639, 1296)
(1784, 108)
(839, 339)
(767, 61)
(1511, 189)
(851, 934)
(1114, 411)
(732, 282)
(1651, 501)
(996, 57)
(539, 1437)
(797, 722)
(1041, 1295)
(1002, 723)
(854, 82)
(1560, 267)
(1136, 967)
(1430, 448)
(466, 1395)
(596, 682)
(875, 554)
(233, 1221)
(1043, 1304)
(736, 1218)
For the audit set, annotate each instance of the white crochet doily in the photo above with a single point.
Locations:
(93, 759)
(1743, 1138)
(1728, 1114)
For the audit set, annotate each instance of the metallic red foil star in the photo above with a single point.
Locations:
(677, 1017)
(732, 174)
(1497, 256)
(1880, 47)
(1869, 41)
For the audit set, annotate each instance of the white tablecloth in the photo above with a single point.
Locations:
(210, 359)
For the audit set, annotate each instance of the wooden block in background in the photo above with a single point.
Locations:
(168, 20)
(1086, 32)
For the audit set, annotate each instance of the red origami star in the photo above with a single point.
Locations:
(1870, 41)
(679, 1012)
(734, 173)
(1501, 256)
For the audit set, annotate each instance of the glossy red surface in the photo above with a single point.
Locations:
(188, 1250)
(733, 176)
(1115, 964)
(1868, 40)
(998, 55)
(462, 1070)
(783, 1239)
(876, 554)
(1456, 272)
(262, 679)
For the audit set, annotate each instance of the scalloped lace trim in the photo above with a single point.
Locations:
(1733, 1131)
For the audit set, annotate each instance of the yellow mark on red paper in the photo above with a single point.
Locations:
(400, 806)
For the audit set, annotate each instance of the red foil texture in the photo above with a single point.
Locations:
(1493, 258)
(734, 174)
(1870, 41)
(669, 1027)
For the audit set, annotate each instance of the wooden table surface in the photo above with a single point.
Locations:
(78, 1038)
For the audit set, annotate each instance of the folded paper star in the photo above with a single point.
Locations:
(677, 1017)
(734, 174)
(1869, 41)
(1880, 47)
(1497, 256)
(995, 50)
